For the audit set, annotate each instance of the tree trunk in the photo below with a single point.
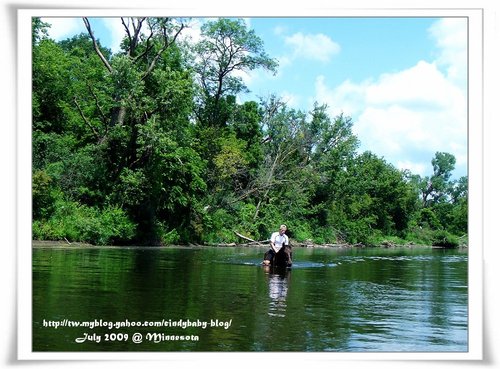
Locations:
(118, 116)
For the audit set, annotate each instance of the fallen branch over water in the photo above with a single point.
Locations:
(264, 243)
(233, 244)
(244, 237)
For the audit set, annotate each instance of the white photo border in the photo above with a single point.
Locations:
(475, 174)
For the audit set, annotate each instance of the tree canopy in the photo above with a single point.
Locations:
(150, 145)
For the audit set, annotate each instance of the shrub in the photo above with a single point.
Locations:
(43, 195)
(170, 238)
(445, 239)
(429, 219)
(420, 236)
(112, 225)
(82, 223)
(218, 227)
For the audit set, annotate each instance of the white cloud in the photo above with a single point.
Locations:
(348, 98)
(312, 46)
(279, 30)
(284, 61)
(62, 28)
(420, 86)
(409, 115)
(450, 35)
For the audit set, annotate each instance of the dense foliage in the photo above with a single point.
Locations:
(151, 146)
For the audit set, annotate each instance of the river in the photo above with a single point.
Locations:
(220, 299)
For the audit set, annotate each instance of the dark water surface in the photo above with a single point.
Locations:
(349, 300)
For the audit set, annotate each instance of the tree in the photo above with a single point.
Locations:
(141, 52)
(444, 201)
(458, 190)
(89, 94)
(126, 118)
(459, 212)
(226, 49)
(371, 197)
(228, 133)
(438, 184)
(50, 84)
(281, 127)
(149, 146)
(301, 155)
(245, 123)
(39, 31)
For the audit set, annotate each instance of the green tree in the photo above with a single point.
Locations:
(444, 201)
(227, 47)
(437, 186)
(42, 196)
(140, 54)
(39, 31)
(332, 150)
(301, 155)
(228, 134)
(245, 123)
(372, 197)
(150, 145)
(69, 117)
(459, 212)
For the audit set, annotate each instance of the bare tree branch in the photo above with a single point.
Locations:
(133, 38)
(96, 135)
(128, 33)
(96, 47)
(148, 47)
(99, 108)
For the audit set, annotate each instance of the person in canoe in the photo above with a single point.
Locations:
(280, 252)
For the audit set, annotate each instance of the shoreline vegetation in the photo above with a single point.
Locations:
(263, 244)
(151, 145)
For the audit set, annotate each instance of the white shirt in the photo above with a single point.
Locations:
(278, 240)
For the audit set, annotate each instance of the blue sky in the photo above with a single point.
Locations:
(402, 80)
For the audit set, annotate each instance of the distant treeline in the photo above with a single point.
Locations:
(151, 146)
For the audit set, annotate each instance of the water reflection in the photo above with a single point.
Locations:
(279, 282)
(383, 300)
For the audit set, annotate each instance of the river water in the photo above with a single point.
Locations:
(221, 299)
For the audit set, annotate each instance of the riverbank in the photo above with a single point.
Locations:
(263, 244)
(48, 243)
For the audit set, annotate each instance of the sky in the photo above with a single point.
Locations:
(403, 81)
